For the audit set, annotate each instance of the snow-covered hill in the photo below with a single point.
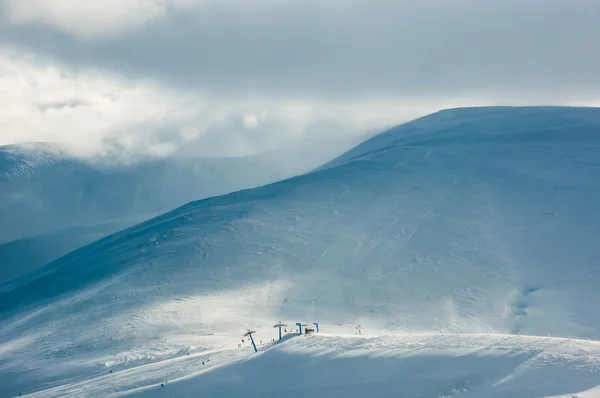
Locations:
(52, 203)
(469, 220)
(18, 257)
(44, 190)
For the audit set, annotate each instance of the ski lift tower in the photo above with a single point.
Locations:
(279, 325)
(249, 334)
(306, 325)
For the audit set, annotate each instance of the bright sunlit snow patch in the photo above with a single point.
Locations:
(378, 366)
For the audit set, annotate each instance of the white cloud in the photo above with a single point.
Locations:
(252, 120)
(95, 113)
(91, 18)
(88, 111)
(189, 133)
(230, 77)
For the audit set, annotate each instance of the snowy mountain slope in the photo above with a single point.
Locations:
(22, 256)
(408, 366)
(45, 190)
(356, 366)
(21, 159)
(51, 203)
(468, 220)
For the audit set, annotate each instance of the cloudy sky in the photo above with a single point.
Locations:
(236, 77)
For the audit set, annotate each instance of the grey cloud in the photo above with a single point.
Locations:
(529, 50)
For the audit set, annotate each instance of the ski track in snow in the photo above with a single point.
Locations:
(421, 364)
(414, 231)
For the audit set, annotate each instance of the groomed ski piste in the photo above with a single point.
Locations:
(339, 365)
(464, 243)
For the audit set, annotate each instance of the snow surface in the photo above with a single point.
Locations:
(44, 190)
(480, 220)
(345, 365)
(18, 257)
(52, 203)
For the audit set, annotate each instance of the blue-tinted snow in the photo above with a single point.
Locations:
(469, 220)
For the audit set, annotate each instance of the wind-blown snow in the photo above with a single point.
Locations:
(470, 220)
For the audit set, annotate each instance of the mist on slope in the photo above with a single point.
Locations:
(52, 203)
